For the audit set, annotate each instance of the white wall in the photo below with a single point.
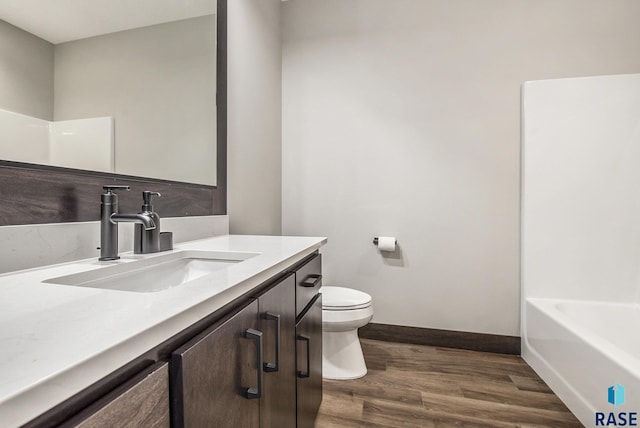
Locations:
(254, 122)
(580, 199)
(401, 117)
(26, 73)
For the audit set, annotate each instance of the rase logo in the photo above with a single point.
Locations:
(615, 396)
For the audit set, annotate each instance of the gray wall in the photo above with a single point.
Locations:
(159, 84)
(26, 73)
(254, 123)
(402, 117)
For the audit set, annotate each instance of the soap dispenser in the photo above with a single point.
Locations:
(147, 241)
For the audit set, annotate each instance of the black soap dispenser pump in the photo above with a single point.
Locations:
(147, 241)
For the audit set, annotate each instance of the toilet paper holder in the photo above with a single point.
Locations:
(375, 241)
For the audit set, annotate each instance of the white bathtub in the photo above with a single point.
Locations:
(581, 348)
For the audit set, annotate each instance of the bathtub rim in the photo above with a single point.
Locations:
(573, 396)
(609, 349)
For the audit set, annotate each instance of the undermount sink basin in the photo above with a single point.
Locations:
(155, 273)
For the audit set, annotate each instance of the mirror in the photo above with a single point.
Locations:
(110, 86)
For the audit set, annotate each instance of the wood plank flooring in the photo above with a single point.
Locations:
(424, 386)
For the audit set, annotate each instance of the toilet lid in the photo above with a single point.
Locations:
(340, 298)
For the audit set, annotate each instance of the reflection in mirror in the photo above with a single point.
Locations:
(135, 101)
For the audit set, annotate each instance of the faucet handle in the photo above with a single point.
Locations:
(110, 187)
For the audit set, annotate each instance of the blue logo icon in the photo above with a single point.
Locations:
(616, 395)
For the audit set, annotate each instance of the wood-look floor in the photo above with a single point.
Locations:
(425, 386)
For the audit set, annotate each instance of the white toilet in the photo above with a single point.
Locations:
(344, 311)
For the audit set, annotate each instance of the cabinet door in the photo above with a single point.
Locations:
(141, 402)
(309, 364)
(217, 378)
(278, 323)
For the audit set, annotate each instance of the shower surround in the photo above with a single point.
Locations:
(581, 241)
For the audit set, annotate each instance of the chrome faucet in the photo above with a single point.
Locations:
(109, 219)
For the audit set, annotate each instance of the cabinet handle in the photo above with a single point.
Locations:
(273, 367)
(255, 335)
(307, 339)
(311, 280)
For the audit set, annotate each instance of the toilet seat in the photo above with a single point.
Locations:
(343, 299)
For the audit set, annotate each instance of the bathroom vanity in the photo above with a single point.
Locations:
(235, 339)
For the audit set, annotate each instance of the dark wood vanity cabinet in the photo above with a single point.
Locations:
(241, 372)
(278, 324)
(257, 364)
(141, 402)
(308, 340)
(309, 364)
(217, 377)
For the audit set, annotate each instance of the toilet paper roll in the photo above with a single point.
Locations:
(386, 243)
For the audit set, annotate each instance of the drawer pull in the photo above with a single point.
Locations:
(274, 367)
(257, 336)
(311, 280)
(305, 373)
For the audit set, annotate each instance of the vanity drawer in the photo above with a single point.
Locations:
(308, 282)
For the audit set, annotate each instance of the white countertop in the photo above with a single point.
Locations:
(57, 340)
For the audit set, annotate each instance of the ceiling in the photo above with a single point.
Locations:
(59, 21)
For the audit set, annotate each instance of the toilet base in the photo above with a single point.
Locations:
(342, 355)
